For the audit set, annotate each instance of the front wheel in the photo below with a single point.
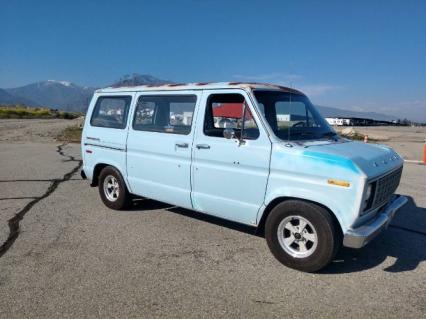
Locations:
(302, 235)
(112, 189)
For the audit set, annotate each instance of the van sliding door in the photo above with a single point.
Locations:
(159, 146)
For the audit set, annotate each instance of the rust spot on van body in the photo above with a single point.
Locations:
(156, 85)
(249, 85)
(256, 85)
(176, 84)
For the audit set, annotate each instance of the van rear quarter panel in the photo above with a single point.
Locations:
(101, 145)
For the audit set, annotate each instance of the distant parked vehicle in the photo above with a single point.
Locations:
(257, 154)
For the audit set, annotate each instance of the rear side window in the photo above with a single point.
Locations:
(111, 111)
(165, 113)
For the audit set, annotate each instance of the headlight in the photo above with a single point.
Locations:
(368, 198)
(369, 192)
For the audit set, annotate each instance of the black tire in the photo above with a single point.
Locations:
(328, 235)
(123, 199)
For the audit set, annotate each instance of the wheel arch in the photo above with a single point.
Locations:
(96, 172)
(98, 169)
(272, 204)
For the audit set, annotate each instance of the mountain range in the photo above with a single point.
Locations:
(7, 98)
(328, 111)
(55, 94)
(68, 96)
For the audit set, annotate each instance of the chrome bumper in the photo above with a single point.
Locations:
(359, 237)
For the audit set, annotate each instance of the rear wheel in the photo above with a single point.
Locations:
(112, 189)
(302, 235)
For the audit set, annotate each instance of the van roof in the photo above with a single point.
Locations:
(198, 86)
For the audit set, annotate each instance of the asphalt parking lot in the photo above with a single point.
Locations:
(73, 257)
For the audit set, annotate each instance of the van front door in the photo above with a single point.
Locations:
(230, 174)
(159, 146)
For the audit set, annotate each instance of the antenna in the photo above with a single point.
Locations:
(289, 118)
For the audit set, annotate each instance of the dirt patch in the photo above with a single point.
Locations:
(71, 134)
(33, 130)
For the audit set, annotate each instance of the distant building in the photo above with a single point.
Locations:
(356, 121)
(187, 118)
(339, 121)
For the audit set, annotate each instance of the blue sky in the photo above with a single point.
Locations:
(360, 55)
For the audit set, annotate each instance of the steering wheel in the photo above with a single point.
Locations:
(299, 124)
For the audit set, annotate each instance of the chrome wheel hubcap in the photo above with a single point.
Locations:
(111, 188)
(297, 236)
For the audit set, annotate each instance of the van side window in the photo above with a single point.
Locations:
(111, 111)
(226, 111)
(165, 113)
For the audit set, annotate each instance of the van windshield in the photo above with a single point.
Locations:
(292, 116)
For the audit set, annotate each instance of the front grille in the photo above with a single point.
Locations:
(386, 187)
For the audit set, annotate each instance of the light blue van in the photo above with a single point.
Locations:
(257, 154)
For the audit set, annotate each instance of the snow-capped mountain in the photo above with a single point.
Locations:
(65, 95)
(139, 79)
(56, 94)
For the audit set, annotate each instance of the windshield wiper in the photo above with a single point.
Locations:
(331, 135)
(307, 133)
(303, 135)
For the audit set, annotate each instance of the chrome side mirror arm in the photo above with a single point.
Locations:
(228, 133)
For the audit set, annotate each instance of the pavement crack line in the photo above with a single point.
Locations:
(13, 223)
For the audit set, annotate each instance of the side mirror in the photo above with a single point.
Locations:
(228, 133)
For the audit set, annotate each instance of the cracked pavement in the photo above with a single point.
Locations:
(13, 223)
(76, 258)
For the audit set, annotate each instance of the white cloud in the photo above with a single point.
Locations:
(279, 78)
(318, 89)
(291, 80)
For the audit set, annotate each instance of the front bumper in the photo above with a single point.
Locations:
(359, 237)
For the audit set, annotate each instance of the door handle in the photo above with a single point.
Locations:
(203, 146)
(182, 145)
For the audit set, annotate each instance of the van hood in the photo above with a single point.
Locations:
(372, 159)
